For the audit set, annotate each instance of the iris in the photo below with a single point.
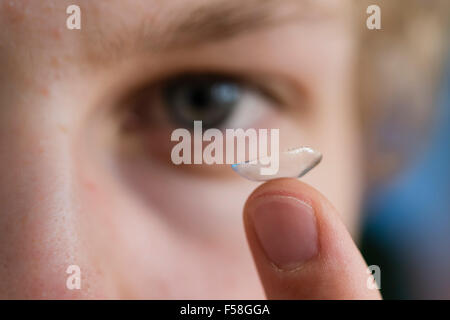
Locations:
(209, 98)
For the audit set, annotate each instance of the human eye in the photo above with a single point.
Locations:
(217, 99)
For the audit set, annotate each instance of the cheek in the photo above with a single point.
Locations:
(150, 233)
(58, 210)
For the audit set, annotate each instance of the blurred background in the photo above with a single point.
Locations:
(407, 211)
(407, 226)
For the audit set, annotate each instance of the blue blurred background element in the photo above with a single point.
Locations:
(407, 226)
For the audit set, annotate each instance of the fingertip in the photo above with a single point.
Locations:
(288, 187)
(300, 246)
(280, 219)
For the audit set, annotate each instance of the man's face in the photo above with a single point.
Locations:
(85, 123)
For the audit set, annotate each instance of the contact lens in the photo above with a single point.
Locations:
(293, 163)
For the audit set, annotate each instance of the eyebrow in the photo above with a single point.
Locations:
(212, 21)
(224, 19)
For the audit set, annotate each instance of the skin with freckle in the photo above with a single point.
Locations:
(75, 190)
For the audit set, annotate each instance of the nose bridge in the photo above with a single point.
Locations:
(38, 227)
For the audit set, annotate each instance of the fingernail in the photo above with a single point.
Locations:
(286, 229)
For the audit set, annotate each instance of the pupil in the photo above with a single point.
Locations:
(199, 98)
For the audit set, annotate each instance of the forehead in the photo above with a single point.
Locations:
(115, 27)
